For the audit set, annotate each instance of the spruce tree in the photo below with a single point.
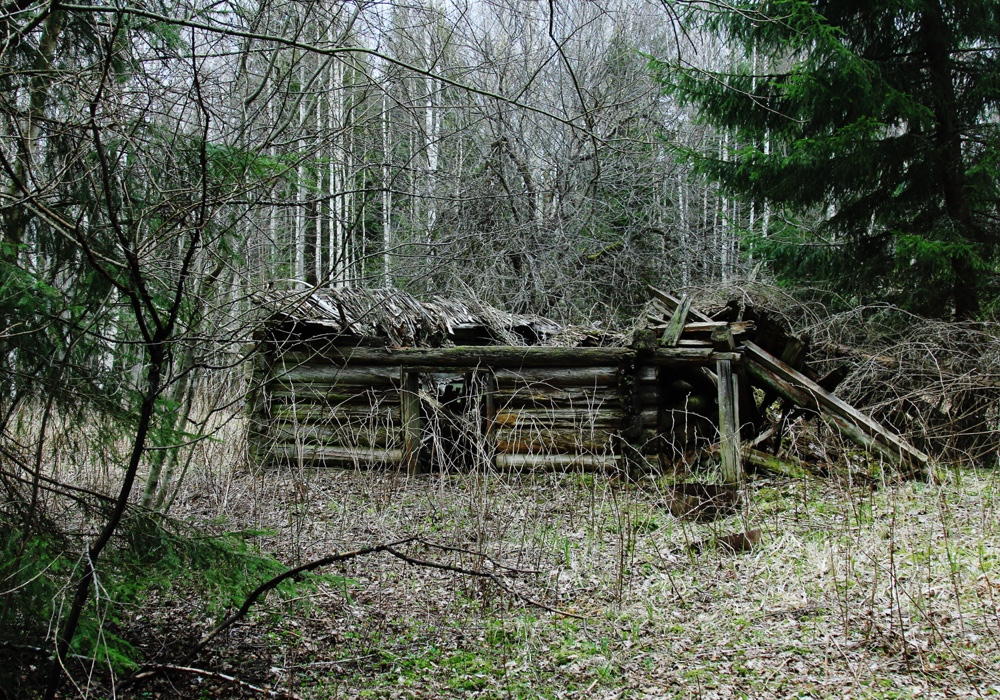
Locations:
(873, 126)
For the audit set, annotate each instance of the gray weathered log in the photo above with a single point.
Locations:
(800, 390)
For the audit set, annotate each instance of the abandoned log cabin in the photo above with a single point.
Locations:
(354, 377)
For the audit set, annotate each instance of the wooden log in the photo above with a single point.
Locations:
(315, 414)
(409, 399)
(313, 394)
(541, 396)
(552, 441)
(779, 466)
(800, 390)
(722, 339)
(330, 455)
(675, 327)
(579, 419)
(486, 356)
(684, 356)
(333, 436)
(671, 302)
(600, 376)
(334, 375)
(729, 434)
(736, 328)
(557, 462)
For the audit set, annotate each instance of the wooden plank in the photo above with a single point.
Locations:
(685, 356)
(409, 399)
(729, 434)
(280, 392)
(542, 396)
(671, 302)
(676, 325)
(699, 328)
(803, 392)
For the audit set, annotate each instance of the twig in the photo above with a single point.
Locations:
(273, 583)
(482, 574)
(160, 668)
(473, 553)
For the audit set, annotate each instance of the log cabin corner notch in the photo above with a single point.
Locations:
(355, 377)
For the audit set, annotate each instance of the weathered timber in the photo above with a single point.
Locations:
(699, 328)
(600, 376)
(671, 302)
(542, 396)
(328, 395)
(552, 441)
(317, 414)
(570, 418)
(729, 434)
(802, 391)
(675, 327)
(779, 466)
(340, 376)
(411, 422)
(347, 434)
(556, 462)
(686, 357)
(333, 455)
(487, 356)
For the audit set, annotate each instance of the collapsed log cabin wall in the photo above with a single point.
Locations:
(343, 383)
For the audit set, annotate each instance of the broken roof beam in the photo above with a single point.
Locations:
(514, 356)
(802, 391)
(670, 302)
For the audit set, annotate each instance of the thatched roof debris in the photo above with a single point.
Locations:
(396, 318)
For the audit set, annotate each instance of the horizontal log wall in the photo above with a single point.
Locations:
(567, 411)
(368, 405)
(313, 411)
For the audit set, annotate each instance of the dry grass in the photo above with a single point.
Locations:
(856, 592)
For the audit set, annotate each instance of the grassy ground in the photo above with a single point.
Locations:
(888, 590)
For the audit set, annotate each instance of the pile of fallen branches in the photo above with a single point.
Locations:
(936, 382)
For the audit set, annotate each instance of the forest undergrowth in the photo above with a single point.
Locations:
(872, 589)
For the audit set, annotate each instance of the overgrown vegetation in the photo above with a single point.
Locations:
(162, 166)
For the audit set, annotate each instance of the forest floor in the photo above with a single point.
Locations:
(888, 590)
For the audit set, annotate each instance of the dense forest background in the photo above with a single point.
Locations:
(164, 163)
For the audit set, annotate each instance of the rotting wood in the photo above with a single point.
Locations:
(557, 462)
(356, 434)
(487, 356)
(671, 302)
(360, 375)
(676, 325)
(332, 454)
(411, 422)
(534, 398)
(803, 392)
(551, 441)
(579, 419)
(729, 434)
(780, 466)
(590, 377)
